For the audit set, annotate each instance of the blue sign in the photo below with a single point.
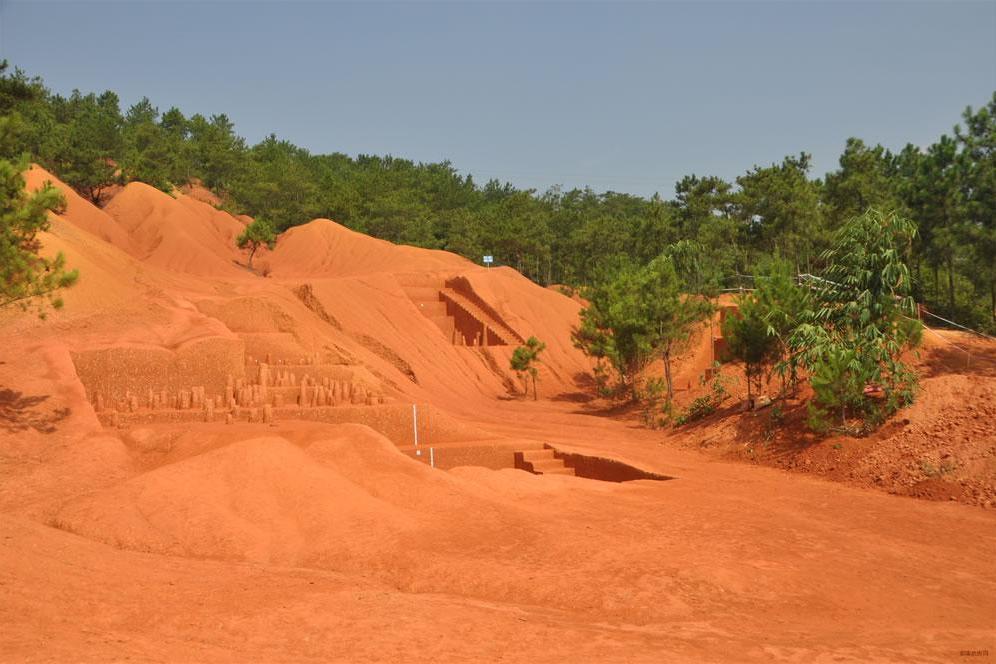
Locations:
(489, 259)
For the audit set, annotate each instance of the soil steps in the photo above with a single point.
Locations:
(541, 462)
(427, 300)
(435, 300)
(502, 331)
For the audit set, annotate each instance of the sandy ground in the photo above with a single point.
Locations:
(135, 530)
(725, 562)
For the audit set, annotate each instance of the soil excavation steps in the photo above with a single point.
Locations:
(542, 462)
(491, 326)
(458, 317)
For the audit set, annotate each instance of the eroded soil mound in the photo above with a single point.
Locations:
(177, 234)
(941, 448)
(323, 248)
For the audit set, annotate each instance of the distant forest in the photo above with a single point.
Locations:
(577, 237)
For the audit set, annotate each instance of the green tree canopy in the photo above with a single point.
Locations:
(259, 233)
(639, 314)
(87, 144)
(525, 358)
(862, 320)
(28, 279)
(780, 209)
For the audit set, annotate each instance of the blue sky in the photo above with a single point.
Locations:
(622, 96)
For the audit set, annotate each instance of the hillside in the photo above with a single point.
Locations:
(328, 463)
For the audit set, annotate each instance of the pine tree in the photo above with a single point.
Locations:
(28, 279)
(259, 233)
(525, 358)
(639, 314)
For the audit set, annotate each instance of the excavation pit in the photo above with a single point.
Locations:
(551, 461)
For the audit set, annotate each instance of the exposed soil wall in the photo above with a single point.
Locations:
(117, 372)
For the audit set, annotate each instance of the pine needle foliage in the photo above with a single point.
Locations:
(525, 358)
(259, 233)
(27, 279)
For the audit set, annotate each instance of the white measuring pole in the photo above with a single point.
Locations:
(418, 452)
(432, 458)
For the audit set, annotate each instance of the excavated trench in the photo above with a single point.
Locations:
(550, 460)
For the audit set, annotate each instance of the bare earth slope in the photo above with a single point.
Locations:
(201, 464)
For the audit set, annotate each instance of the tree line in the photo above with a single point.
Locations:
(576, 237)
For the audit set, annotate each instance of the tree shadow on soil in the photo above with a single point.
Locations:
(20, 413)
(758, 434)
(950, 360)
(779, 441)
(586, 390)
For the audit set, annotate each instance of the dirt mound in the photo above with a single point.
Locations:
(262, 500)
(177, 234)
(943, 447)
(325, 248)
(535, 312)
(81, 212)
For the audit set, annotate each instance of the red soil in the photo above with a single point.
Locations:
(322, 535)
(941, 448)
(323, 248)
(199, 192)
(178, 234)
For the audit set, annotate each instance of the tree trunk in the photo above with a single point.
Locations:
(252, 252)
(992, 298)
(667, 373)
(918, 280)
(750, 397)
(951, 294)
(535, 394)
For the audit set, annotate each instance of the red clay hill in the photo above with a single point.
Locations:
(328, 464)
